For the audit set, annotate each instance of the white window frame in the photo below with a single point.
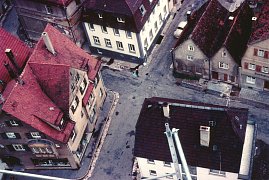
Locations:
(11, 135)
(223, 65)
(100, 16)
(74, 135)
(35, 135)
(108, 43)
(189, 57)
(265, 69)
(190, 48)
(120, 20)
(251, 66)
(18, 147)
(104, 29)
(116, 32)
(120, 45)
(260, 53)
(250, 80)
(131, 48)
(96, 40)
(153, 172)
(142, 10)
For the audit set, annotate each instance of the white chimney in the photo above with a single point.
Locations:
(48, 43)
(254, 18)
(204, 135)
(166, 110)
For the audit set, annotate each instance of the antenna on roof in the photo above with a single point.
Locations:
(48, 43)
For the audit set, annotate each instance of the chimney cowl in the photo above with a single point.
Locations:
(48, 43)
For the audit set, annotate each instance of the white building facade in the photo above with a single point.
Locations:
(120, 39)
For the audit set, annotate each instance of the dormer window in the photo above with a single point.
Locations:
(121, 20)
(100, 16)
(49, 9)
(35, 135)
(142, 10)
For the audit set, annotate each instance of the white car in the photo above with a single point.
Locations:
(180, 28)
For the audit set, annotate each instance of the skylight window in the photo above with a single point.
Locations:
(142, 10)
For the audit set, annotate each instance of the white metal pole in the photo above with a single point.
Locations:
(172, 150)
(181, 153)
(31, 175)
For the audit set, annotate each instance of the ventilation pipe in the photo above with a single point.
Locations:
(48, 43)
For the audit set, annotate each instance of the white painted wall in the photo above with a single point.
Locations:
(158, 166)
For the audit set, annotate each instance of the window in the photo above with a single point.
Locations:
(146, 43)
(104, 29)
(73, 135)
(82, 86)
(74, 104)
(156, 26)
(151, 161)
(128, 34)
(190, 48)
(265, 69)
(150, 1)
(116, 32)
(223, 65)
(96, 40)
(251, 66)
(152, 172)
(160, 18)
(96, 80)
(131, 47)
(216, 172)
(150, 34)
(158, 2)
(73, 87)
(190, 58)
(101, 93)
(49, 9)
(164, 10)
(18, 147)
(167, 164)
(142, 10)
(35, 150)
(119, 45)
(100, 16)
(108, 43)
(48, 150)
(250, 80)
(261, 53)
(35, 135)
(91, 26)
(224, 54)
(11, 135)
(121, 20)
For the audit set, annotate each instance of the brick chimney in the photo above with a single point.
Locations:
(48, 43)
(12, 59)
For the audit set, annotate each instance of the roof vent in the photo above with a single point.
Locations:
(204, 136)
(254, 18)
(166, 110)
(51, 108)
(231, 18)
(48, 43)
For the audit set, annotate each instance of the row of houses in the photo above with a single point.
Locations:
(229, 45)
(51, 98)
(123, 29)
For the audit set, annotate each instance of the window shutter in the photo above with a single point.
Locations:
(258, 68)
(246, 65)
(266, 54)
(255, 52)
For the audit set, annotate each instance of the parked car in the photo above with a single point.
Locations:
(180, 28)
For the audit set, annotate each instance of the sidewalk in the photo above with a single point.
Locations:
(252, 95)
(93, 148)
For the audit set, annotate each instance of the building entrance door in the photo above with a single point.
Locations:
(215, 75)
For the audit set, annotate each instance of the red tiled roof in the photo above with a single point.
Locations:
(87, 94)
(128, 8)
(28, 103)
(214, 29)
(19, 49)
(261, 27)
(151, 142)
